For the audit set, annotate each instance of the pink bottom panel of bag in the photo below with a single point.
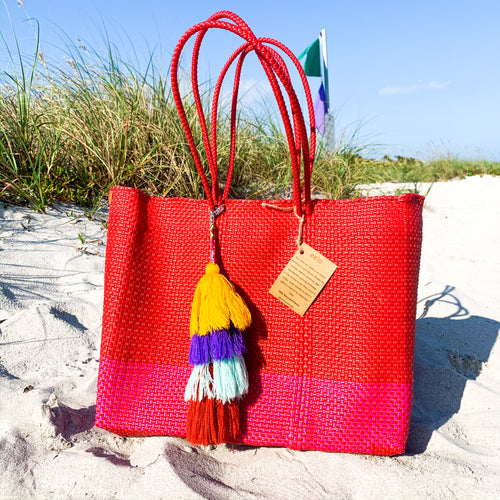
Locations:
(280, 410)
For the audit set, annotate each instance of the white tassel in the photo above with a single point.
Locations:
(200, 384)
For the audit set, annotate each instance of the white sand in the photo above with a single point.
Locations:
(52, 285)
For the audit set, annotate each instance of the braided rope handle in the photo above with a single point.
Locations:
(277, 72)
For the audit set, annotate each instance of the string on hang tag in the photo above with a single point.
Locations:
(301, 231)
(305, 275)
(302, 220)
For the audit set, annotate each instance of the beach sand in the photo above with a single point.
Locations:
(52, 270)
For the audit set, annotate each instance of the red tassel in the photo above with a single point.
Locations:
(234, 420)
(201, 427)
(228, 421)
(212, 422)
(222, 427)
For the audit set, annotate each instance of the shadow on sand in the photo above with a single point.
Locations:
(449, 351)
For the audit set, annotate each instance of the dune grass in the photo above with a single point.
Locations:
(70, 132)
(404, 169)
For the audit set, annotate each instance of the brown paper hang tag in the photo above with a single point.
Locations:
(302, 279)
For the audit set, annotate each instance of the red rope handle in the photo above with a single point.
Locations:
(211, 158)
(310, 110)
(308, 159)
(214, 195)
(275, 69)
(297, 150)
(243, 51)
(239, 21)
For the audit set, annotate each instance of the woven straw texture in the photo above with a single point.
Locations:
(338, 379)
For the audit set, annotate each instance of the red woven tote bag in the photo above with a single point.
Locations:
(338, 378)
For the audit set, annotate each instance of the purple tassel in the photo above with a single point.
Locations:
(199, 351)
(239, 346)
(220, 345)
(216, 346)
(224, 344)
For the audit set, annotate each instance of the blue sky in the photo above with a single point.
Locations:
(419, 78)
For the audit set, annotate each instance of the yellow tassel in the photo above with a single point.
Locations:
(216, 304)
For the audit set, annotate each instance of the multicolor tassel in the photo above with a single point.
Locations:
(219, 377)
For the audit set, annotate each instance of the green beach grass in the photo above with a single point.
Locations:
(70, 132)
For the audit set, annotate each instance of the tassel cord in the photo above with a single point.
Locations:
(213, 215)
